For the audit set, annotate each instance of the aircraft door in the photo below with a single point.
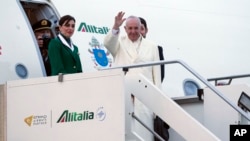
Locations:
(43, 19)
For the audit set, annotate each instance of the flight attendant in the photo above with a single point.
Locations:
(63, 54)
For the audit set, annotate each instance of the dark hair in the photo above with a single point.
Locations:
(143, 22)
(65, 19)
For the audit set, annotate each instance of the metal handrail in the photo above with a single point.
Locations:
(228, 77)
(126, 68)
(149, 129)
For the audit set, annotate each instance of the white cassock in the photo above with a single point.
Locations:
(126, 52)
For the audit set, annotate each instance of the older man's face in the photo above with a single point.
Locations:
(133, 29)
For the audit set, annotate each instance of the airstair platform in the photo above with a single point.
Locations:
(97, 106)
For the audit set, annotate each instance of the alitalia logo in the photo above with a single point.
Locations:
(92, 29)
(74, 116)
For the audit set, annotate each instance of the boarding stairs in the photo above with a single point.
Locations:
(97, 106)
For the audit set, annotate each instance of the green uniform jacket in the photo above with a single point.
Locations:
(63, 59)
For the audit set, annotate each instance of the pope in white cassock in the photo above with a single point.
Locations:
(133, 49)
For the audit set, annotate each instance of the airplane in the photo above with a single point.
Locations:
(211, 37)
